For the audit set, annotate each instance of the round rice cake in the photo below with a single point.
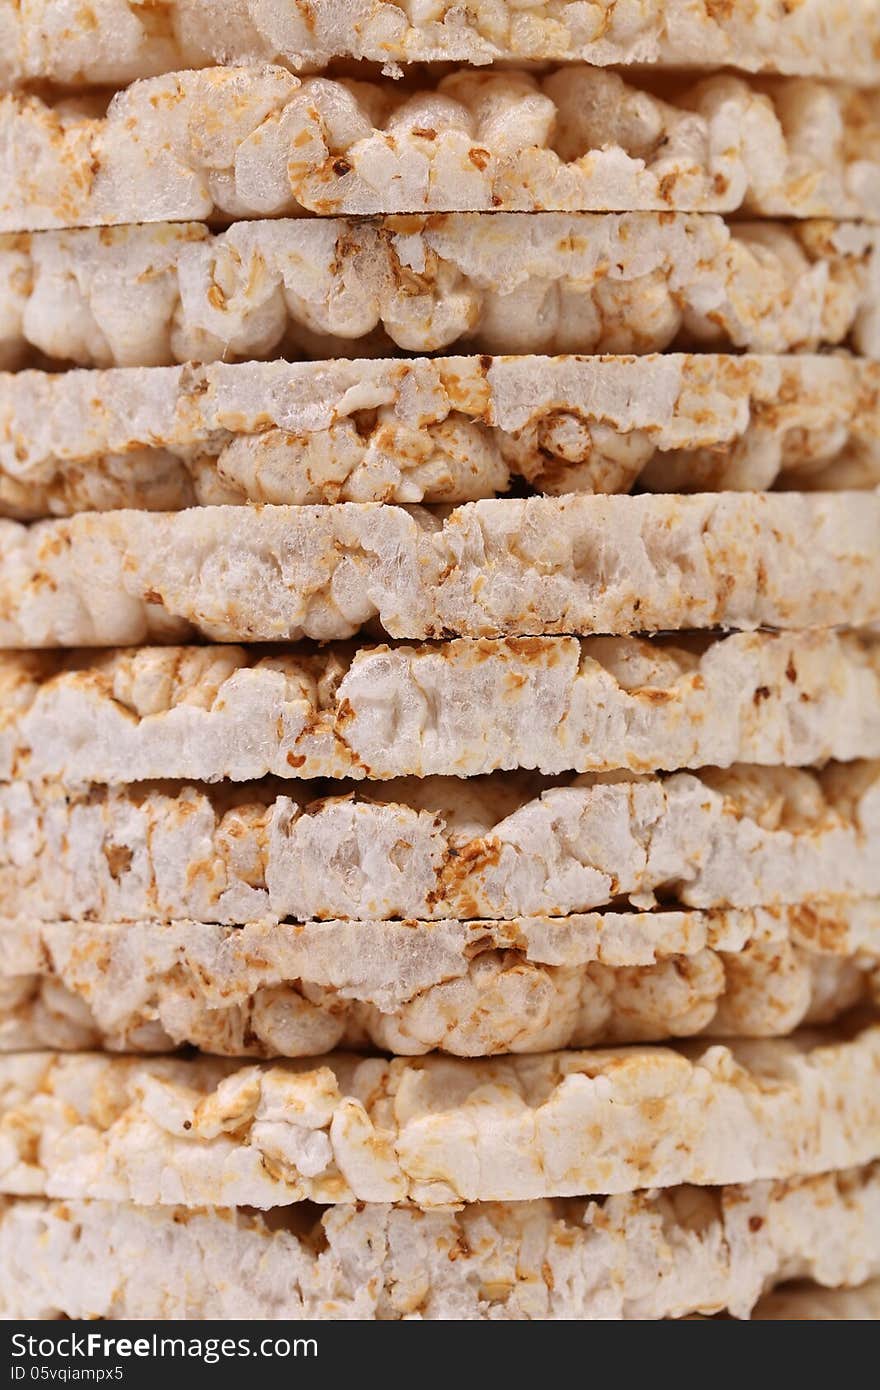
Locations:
(237, 142)
(442, 430)
(486, 282)
(437, 1131)
(112, 41)
(458, 708)
(647, 1255)
(503, 567)
(471, 989)
(502, 845)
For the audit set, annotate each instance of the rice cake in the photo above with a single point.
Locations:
(442, 430)
(492, 283)
(497, 568)
(502, 845)
(220, 143)
(436, 1130)
(647, 1255)
(555, 704)
(472, 989)
(112, 41)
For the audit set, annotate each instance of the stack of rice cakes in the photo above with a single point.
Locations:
(439, 581)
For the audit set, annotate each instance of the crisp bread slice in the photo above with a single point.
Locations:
(441, 430)
(648, 1255)
(497, 568)
(115, 42)
(503, 845)
(472, 989)
(237, 142)
(437, 1130)
(812, 1303)
(460, 708)
(497, 283)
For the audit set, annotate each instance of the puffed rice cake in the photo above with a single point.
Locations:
(610, 785)
(257, 141)
(438, 1130)
(462, 707)
(660, 1254)
(442, 430)
(113, 42)
(497, 846)
(486, 282)
(470, 988)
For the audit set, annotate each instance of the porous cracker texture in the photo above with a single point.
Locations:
(436, 1130)
(114, 41)
(646, 1255)
(497, 568)
(442, 430)
(458, 708)
(472, 989)
(498, 846)
(150, 296)
(256, 141)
